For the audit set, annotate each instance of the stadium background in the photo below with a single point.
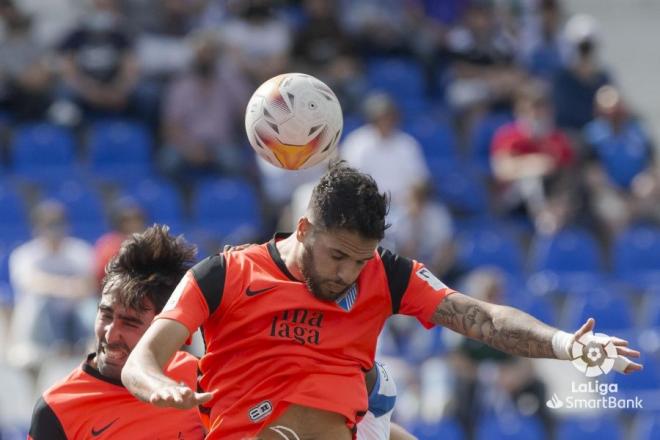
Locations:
(103, 160)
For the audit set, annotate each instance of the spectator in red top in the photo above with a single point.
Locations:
(128, 217)
(530, 153)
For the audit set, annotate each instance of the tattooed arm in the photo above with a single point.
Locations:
(505, 328)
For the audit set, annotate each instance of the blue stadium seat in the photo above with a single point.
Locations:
(120, 150)
(351, 122)
(647, 379)
(624, 155)
(400, 77)
(161, 200)
(648, 427)
(602, 428)
(84, 209)
(228, 208)
(490, 247)
(542, 309)
(443, 429)
(460, 187)
(510, 428)
(568, 251)
(14, 223)
(43, 152)
(436, 137)
(612, 312)
(481, 138)
(637, 256)
(6, 293)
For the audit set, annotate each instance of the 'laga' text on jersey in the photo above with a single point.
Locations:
(300, 325)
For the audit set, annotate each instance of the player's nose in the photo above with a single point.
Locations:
(112, 333)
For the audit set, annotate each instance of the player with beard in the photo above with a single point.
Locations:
(291, 325)
(91, 401)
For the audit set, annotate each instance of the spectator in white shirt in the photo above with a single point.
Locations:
(379, 148)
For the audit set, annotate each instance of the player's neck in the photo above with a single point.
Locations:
(289, 249)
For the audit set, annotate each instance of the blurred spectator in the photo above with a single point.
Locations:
(257, 40)
(543, 44)
(98, 63)
(393, 158)
(575, 85)
(202, 114)
(621, 153)
(53, 279)
(323, 49)
(378, 27)
(529, 153)
(174, 18)
(483, 54)
(425, 232)
(127, 218)
(474, 364)
(25, 77)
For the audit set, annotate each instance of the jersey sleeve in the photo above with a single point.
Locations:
(198, 295)
(414, 290)
(45, 425)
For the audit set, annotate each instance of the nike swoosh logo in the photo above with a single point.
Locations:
(250, 292)
(96, 433)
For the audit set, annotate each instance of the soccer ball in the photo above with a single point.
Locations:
(293, 121)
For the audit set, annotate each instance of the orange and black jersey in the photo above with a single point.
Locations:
(87, 405)
(271, 343)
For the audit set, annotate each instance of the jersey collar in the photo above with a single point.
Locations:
(275, 254)
(87, 368)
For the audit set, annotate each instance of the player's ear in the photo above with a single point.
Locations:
(303, 228)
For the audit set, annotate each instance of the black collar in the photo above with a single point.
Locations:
(87, 368)
(275, 254)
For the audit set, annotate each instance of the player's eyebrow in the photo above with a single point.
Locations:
(344, 254)
(127, 318)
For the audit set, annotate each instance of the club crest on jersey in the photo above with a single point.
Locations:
(425, 275)
(348, 299)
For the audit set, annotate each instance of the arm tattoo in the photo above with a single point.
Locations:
(504, 328)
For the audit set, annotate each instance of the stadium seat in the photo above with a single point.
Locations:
(161, 200)
(436, 137)
(460, 187)
(14, 223)
(400, 77)
(647, 426)
(6, 293)
(228, 208)
(510, 427)
(43, 153)
(611, 311)
(120, 151)
(443, 429)
(84, 209)
(481, 137)
(621, 157)
(647, 379)
(602, 428)
(568, 251)
(490, 247)
(636, 255)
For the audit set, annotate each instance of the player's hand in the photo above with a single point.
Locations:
(622, 363)
(179, 396)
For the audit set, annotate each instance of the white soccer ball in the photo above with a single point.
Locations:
(293, 121)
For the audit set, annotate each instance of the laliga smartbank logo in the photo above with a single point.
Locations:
(593, 354)
(594, 395)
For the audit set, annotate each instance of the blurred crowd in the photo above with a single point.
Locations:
(517, 170)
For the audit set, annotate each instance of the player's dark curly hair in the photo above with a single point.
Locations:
(149, 265)
(347, 199)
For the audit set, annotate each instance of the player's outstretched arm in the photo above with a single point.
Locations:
(143, 373)
(515, 332)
